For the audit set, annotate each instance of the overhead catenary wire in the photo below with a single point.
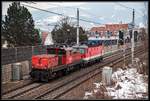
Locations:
(61, 14)
(129, 8)
(91, 14)
(95, 16)
(85, 20)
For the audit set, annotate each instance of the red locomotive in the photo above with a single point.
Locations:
(63, 60)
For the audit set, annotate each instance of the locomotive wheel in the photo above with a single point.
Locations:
(68, 71)
(81, 65)
(31, 74)
(59, 73)
(78, 66)
(101, 59)
(86, 64)
(90, 63)
(44, 77)
(65, 72)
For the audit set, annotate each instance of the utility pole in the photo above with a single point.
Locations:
(132, 48)
(77, 26)
(145, 14)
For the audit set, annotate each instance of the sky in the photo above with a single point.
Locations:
(100, 12)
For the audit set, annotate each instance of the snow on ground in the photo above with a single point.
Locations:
(132, 84)
(87, 94)
(129, 84)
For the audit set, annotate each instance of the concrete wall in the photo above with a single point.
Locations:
(7, 71)
(25, 68)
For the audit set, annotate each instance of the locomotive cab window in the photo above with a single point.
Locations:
(82, 51)
(61, 52)
(51, 51)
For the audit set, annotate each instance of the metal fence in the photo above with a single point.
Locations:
(12, 55)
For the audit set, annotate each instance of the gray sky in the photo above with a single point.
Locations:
(101, 12)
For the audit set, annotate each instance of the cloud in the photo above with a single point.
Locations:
(5, 6)
(69, 4)
(119, 8)
(92, 24)
(52, 19)
(84, 8)
(85, 15)
(102, 11)
(41, 5)
(43, 23)
(101, 18)
(141, 25)
(113, 16)
(38, 21)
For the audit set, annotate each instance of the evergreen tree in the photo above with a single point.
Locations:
(18, 26)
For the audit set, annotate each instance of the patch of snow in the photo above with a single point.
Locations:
(98, 84)
(144, 63)
(129, 84)
(137, 59)
(95, 90)
(106, 67)
(87, 94)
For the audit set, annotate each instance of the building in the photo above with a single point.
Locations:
(111, 29)
(43, 36)
(46, 38)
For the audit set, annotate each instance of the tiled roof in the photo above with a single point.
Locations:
(110, 27)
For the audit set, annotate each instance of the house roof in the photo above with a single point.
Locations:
(110, 27)
(44, 35)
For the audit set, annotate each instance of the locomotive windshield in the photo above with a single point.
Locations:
(61, 52)
(56, 51)
(82, 51)
(51, 51)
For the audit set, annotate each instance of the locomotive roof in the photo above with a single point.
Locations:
(46, 55)
(80, 46)
(66, 47)
(58, 47)
(86, 46)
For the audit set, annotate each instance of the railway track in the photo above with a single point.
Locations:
(74, 83)
(25, 83)
(34, 94)
(18, 85)
(87, 86)
(37, 90)
(21, 84)
(21, 90)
